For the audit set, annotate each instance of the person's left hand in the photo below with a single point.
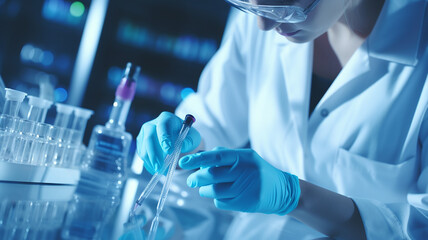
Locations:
(241, 180)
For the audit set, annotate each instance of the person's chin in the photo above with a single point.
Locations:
(297, 39)
(297, 36)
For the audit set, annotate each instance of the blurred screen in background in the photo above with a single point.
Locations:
(75, 51)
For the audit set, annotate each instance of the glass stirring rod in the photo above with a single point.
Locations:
(169, 159)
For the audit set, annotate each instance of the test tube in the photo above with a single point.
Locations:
(64, 148)
(13, 101)
(26, 128)
(44, 112)
(38, 108)
(77, 155)
(72, 139)
(81, 117)
(23, 140)
(51, 155)
(7, 126)
(63, 115)
(11, 107)
(12, 145)
(39, 148)
(2, 94)
(60, 134)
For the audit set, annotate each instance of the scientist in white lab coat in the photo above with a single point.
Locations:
(334, 107)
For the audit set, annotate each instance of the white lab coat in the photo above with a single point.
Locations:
(366, 139)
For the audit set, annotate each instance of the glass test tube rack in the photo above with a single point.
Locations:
(33, 211)
(30, 142)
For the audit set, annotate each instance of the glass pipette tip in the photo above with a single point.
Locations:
(169, 159)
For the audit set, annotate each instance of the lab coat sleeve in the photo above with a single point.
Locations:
(220, 103)
(401, 220)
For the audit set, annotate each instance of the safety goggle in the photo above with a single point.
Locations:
(277, 13)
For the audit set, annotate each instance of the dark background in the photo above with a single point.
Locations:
(171, 40)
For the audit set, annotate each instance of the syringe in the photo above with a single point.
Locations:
(170, 161)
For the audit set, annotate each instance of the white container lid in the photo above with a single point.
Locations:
(64, 108)
(36, 101)
(82, 112)
(15, 95)
(47, 104)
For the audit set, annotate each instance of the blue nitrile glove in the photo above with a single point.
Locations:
(157, 137)
(241, 180)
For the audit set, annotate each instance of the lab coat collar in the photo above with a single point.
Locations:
(396, 36)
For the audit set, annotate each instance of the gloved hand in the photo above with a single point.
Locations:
(157, 137)
(241, 180)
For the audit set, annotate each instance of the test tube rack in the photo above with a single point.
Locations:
(37, 152)
(33, 211)
(23, 173)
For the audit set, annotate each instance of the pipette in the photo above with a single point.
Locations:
(171, 161)
(188, 121)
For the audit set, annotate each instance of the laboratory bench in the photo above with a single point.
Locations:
(53, 203)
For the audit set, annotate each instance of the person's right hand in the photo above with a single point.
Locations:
(157, 137)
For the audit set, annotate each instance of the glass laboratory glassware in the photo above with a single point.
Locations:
(11, 108)
(87, 216)
(63, 148)
(75, 149)
(54, 137)
(22, 141)
(60, 134)
(63, 115)
(2, 94)
(7, 127)
(103, 169)
(31, 219)
(109, 145)
(40, 145)
(71, 147)
(26, 134)
(13, 101)
(81, 117)
(38, 108)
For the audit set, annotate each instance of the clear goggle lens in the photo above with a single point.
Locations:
(278, 13)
